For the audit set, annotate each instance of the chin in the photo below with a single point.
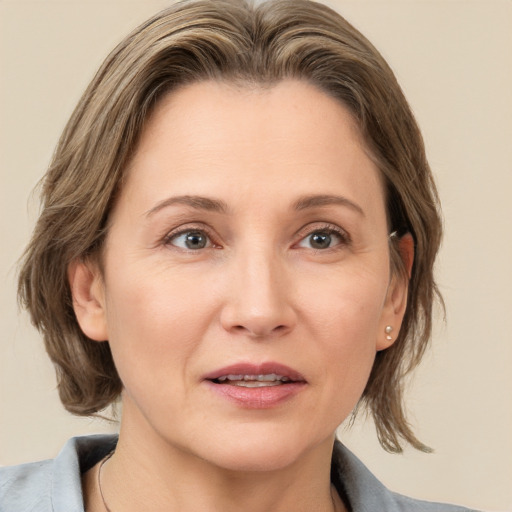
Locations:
(260, 452)
(263, 459)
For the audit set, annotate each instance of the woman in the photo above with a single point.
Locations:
(237, 239)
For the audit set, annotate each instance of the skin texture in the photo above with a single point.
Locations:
(258, 291)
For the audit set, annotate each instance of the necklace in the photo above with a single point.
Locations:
(335, 506)
(99, 480)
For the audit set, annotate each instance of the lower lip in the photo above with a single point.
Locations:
(257, 398)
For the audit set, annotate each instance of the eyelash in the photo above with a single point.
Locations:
(303, 234)
(173, 235)
(327, 229)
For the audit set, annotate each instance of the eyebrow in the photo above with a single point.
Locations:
(197, 202)
(216, 205)
(315, 201)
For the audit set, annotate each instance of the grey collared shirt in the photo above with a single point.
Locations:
(55, 485)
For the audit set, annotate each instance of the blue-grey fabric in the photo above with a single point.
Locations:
(55, 485)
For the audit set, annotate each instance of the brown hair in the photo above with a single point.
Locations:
(229, 40)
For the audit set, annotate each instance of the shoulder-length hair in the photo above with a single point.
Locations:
(235, 41)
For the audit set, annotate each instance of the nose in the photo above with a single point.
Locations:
(259, 297)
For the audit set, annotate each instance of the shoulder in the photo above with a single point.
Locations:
(52, 485)
(366, 493)
(404, 503)
(26, 487)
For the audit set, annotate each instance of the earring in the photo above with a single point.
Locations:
(388, 330)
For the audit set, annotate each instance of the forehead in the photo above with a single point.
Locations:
(291, 110)
(214, 138)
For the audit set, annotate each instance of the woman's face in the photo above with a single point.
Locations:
(246, 284)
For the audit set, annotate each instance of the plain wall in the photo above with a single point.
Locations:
(454, 61)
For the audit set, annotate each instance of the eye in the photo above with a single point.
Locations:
(322, 239)
(191, 240)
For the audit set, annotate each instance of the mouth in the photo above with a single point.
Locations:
(253, 381)
(256, 386)
(255, 375)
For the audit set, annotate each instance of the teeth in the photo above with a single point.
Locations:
(264, 378)
(256, 383)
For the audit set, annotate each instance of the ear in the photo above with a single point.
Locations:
(88, 293)
(396, 298)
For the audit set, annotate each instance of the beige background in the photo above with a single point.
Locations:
(454, 60)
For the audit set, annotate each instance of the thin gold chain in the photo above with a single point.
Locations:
(99, 480)
(335, 507)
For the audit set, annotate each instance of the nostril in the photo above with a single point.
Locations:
(247, 320)
(259, 331)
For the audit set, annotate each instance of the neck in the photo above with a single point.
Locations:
(147, 473)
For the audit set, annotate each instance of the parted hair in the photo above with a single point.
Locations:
(246, 44)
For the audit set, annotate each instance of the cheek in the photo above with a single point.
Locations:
(154, 326)
(345, 317)
(347, 303)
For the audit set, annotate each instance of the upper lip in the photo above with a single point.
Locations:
(256, 369)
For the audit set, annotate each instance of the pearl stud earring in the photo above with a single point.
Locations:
(388, 330)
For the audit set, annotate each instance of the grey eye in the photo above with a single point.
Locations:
(191, 240)
(320, 240)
